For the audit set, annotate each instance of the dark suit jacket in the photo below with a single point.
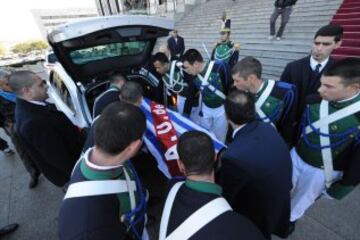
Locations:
(228, 225)
(50, 138)
(256, 177)
(176, 48)
(107, 97)
(301, 75)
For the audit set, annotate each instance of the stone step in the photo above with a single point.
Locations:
(266, 20)
(259, 28)
(264, 12)
(262, 4)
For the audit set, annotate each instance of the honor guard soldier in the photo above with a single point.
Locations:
(212, 80)
(105, 198)
(225, 50)
(194, 208)
(176, 85)
(326, 157)
(275, 100)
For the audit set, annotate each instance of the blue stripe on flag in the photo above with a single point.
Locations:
(188, 125)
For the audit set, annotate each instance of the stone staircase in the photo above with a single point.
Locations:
(250, 28)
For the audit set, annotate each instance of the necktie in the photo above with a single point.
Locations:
(317, 69)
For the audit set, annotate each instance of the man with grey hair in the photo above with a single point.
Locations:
(50, 138)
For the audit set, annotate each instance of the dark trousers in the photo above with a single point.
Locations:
(285, 16)
(28, 162)
(3, 144)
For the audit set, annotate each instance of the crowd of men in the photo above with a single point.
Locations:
(288, 143)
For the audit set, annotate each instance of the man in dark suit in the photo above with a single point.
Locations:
(305, 73)
(110, 95)
(200, 193)
(176, 45)
(52, 141)
(256, 168)
(7, 116)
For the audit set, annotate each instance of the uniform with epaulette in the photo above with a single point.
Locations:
(227, 50)
(275, 103)
(326, 158)
(103, 203)
(213, 84)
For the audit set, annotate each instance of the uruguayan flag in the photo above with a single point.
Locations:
(181, 125)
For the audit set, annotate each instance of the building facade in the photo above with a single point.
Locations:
(46, 19)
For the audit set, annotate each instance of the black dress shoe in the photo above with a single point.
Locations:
(33, 182)
(8, 229)
(291, 228)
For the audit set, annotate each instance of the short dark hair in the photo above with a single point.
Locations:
(21, 79)
(119, 125)
(196, 152)
(240, 107)
(330, 30)
(192, 56)
(131, 92)
(116, 77)
(347, 69)
(160, 57)
(247, 66)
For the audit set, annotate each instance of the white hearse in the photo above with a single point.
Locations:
(88, 50)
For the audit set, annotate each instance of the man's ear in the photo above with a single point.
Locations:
(181, 167)
(355, 87)
(338, 44)
(251, 78)
(25, 91)
(133, 148)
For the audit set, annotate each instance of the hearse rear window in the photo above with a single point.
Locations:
(100, 52)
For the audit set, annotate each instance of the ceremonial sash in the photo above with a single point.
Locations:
(261, 100)
(96, 188)
(325, 145)
(195, 221)
(172, 82)
(325, 119)
(330, 118)
(205, 83)
(163, 126)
